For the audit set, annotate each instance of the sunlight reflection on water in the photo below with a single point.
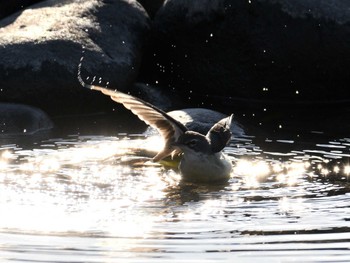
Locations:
(98, 198)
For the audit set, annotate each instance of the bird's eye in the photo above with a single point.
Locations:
(191, 143)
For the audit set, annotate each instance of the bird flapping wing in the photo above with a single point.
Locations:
(169, 128)
(220, 134)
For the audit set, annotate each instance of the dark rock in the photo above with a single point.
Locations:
(41, 47)
(338, 11)
(239, 54)
(158, 96)
(9, 7)
(18, 119)
(151, 6)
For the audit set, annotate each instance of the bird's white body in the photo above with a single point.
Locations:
(206, 168)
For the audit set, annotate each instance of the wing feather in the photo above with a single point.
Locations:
(220, 134)
(169, 128)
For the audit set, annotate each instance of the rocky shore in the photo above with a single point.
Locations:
(261, 56)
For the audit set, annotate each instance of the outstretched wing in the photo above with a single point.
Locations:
(169, 128)
(220, 134)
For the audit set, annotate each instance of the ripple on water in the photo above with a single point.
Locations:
(94, 199)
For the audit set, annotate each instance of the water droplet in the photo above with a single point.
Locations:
(336, 169)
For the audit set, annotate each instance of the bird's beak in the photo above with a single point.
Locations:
(178, 146)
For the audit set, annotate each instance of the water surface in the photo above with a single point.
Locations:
(97, 199)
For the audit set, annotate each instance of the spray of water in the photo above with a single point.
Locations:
(93, 79)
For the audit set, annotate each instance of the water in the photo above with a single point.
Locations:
(97, 199)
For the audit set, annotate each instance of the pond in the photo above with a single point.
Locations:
(96, 198)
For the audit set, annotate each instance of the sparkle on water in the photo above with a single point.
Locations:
(98, 199)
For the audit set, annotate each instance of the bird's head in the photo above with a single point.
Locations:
(191, 141)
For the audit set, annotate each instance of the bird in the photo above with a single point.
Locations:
(202, 159)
